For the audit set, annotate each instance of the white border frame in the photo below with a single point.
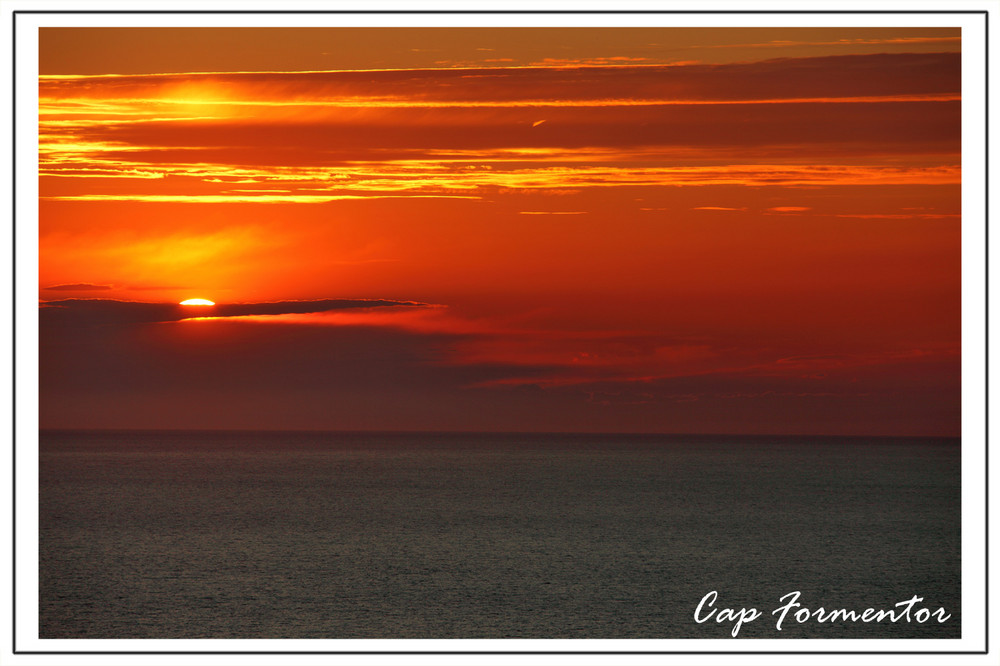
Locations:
(974, 408)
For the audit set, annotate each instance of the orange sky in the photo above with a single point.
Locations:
(653, 230)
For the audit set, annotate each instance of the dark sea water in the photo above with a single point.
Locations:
(351, 535)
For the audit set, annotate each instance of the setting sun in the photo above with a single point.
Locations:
(197, 301)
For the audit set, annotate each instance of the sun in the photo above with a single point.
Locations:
(197, 301)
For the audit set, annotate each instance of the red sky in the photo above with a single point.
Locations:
(622, 230)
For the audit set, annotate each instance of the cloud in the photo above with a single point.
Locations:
(828, 76)
(400, 365)
(317, 137)
(542, 172)
(902, 216)
(789, 209)
(107, 311)
(410, 155)
(78, 287)
(552, 212)
(613, 61)
(327, 137)
(240, 198)
(859, 41)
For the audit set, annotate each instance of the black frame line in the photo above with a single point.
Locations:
(13, 337)
(496, 11)
(986, 33)
(986, 257)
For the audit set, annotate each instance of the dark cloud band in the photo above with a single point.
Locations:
(107, 311)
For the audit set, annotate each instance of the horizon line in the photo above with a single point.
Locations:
(487, 432)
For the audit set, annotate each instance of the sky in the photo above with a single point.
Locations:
(718, 230)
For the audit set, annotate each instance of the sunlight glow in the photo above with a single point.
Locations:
(197, 301)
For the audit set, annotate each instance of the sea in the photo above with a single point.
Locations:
(181, 534)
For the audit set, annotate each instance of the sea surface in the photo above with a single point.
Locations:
(394, 535)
